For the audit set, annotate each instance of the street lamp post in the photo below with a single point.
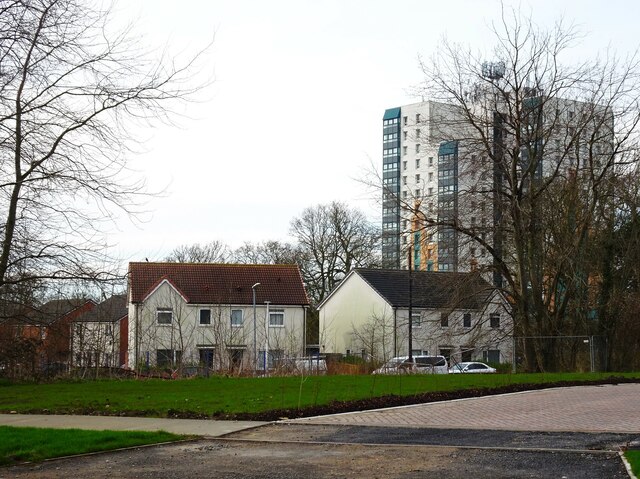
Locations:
(255, 328)
(266, 342)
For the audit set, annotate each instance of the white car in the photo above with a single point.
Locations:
(421, 364)
(471, 367)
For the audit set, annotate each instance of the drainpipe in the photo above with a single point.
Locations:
(395, 335)
(266, 342)
(304, 331)
(137, 338)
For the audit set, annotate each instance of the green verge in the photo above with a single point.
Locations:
(231, 395)
(633, 457)
(22, 444)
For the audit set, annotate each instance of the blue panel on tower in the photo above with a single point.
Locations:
(391, 113)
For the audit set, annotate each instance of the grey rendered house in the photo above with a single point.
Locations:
(453, 314)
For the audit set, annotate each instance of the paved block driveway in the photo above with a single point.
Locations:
(609, 408)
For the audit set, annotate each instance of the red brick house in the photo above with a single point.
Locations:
(38, 341)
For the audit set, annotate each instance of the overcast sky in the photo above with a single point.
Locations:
(293, 118)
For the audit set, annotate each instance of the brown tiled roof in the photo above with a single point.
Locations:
(55, 309)
(206, 283)
(110, 310)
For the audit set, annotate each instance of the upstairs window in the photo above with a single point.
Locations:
(494, 320)
(444, 320)
(466, 320)
(276, 318)
(205, 317)
(236, 318)
(164, 316)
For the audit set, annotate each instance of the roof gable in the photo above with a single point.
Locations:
(110, 310)
(351, 276)
(430, 289)
(208, 283)
(57, 309)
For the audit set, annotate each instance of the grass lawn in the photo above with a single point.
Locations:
(19, 444)
(634, 459)
(206, 396)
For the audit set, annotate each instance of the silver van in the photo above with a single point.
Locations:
(421, 364)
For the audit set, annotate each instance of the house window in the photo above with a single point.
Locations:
(405, 120)
(404, 151)
(417, 117)
(430, 191)
(404, 165)
(418, 133)
(275, 357)
(466, 320)
(467, 353)
(235, 356)
(236, 318)
(494, 320)
(491, 356)
(164, 316)
(276, 318)
(404, 180)
(444, 320)
(206, 357)
(417, 162)
(446, 352)
(205, 317)
(404, 135)
(417, 178)
(430, 176)
(418, 148)
(418, 193)
(431, 161)
(167, 357)
(416, 320)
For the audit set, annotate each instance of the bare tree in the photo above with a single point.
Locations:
(533, 143)
(71, 94)
(333, 239)
(267, 252)
(375, 338)
(615, 255)
(212, 252)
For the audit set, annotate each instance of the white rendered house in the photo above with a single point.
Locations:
(220, 316)
(453, 314)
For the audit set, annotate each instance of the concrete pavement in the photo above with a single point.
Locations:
(608, 408)
(208, 428)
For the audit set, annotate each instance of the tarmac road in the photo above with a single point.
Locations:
(219, 459)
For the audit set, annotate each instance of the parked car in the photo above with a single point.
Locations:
(308, 365)
(420, 365)
(471, 367)
(311, 365)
